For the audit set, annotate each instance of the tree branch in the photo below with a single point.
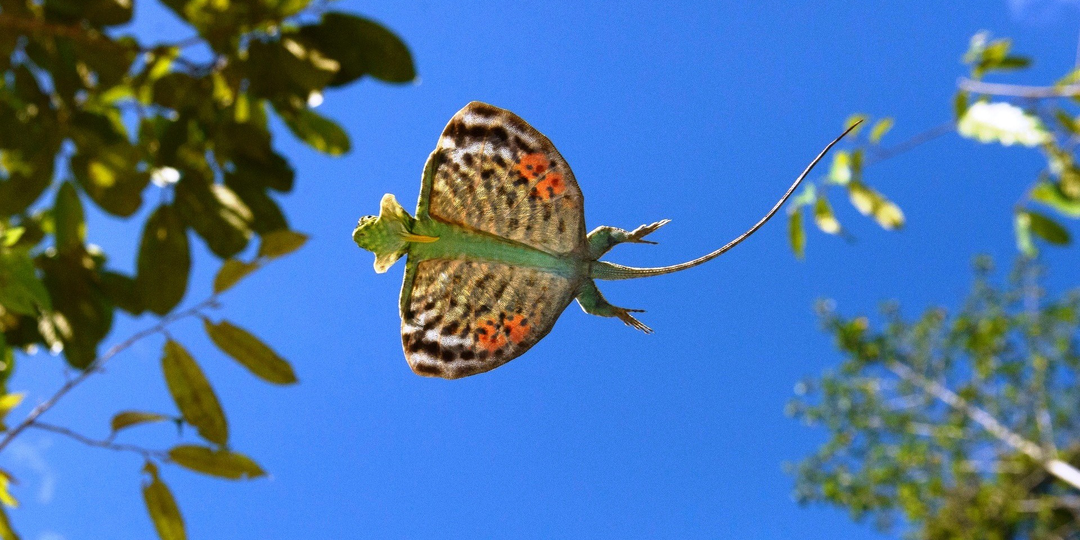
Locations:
(1056, 467)
(1017, 90)
(97, 365)
(107, 443)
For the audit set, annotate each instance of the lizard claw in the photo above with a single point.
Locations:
(625, 316)
(637, 234)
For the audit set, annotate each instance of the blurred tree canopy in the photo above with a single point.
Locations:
(959, 425)
(90, 114)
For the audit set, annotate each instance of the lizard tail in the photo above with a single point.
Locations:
(611, 271)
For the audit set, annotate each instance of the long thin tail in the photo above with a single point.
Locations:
(611, 271)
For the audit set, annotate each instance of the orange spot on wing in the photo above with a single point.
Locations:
(489, 337)
(532, 166)
(518, 328)
(551, 186)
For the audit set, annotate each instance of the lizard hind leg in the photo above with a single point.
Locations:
(602, 239)
(594, 303)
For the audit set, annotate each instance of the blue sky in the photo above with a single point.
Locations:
(699, 112)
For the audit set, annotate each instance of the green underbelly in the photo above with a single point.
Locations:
(456, 242)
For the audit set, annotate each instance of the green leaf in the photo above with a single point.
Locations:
(10, 237)
(317, 131)
(95, 12)
(126, 419)
(824, 218)
(361, 47)
(960, 104)
(219, 463)
(796, 233)
(122, 291)
(6, 498)
(1022, 227)
(1050, 195)
(871, 203)
(164, 261)
(280, 243)
(250, 352)
(231, 272)
(7, 532)
(82, 314)
(20, 289)
(193, 395)
(1048, 229)
(161, 506)
(216, 214)
(880, 129)
(69, 220)
(840, 173)
(109, 177)
(7, 403)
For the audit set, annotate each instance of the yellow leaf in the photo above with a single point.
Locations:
(162, 508)
(193, 394)
(250, 352)
(220, 463)
(125, 419)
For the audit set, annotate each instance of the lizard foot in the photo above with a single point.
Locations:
(637, 234)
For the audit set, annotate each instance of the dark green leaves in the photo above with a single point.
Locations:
(219, 463)
(20, 289)
(161, 506)
(68, 219)
(797, 233)
(1028, 223)
(361, 47)
(216, 214)
(164, 261)
(193, 395)
(250, 352)
(95, 12)
(317, 131)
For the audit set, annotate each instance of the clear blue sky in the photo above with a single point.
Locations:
(702, 113)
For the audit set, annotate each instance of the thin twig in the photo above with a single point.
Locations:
(1056, 467)
(107, 443)
(1018, 90)
(916, 140)
(99, 363)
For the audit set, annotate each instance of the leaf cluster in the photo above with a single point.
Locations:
(94, 118)
(896, 450)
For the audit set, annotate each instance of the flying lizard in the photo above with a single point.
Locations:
(497, 249)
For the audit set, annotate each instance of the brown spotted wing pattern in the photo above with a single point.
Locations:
(495, 173)
(463, 317)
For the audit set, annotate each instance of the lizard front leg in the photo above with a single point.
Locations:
(590, 300)
(602, 239)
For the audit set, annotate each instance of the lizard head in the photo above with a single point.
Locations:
(387, 235)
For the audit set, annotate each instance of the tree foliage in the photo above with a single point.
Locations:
(950, 421)
(959, 425)
(92, 115)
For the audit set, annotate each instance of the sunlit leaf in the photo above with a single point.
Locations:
(161, 506)
(871, 203)
(1024, 241)
(880, 129)
(126, 419)
(6, 498)
(231, 272)
(192, 393)
(219, 463)
(250, 352)
(280, 243)
(824, 218)
(1050, 195)
(840, 172)
(10, 237)
(1003, 123)
(796, 233)
(164, 261)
